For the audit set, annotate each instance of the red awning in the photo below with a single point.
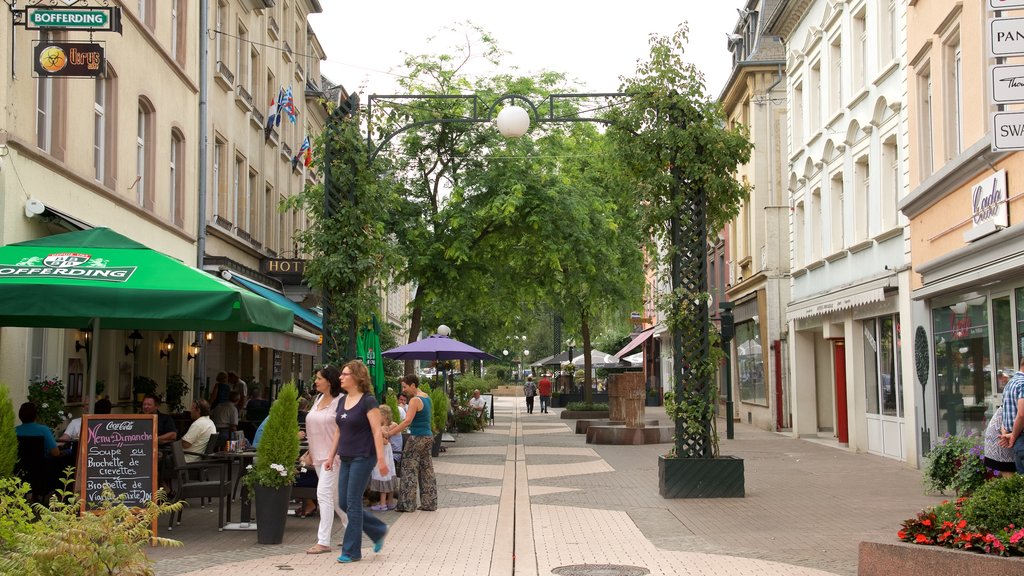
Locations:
(635, 343)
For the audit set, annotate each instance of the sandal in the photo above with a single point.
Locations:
(318, 549)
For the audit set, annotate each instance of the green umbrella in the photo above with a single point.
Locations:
(368, 348)
(103, 279)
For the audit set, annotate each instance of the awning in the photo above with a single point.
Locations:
(635, 342)
(304, 314)
(298, 341)
(835, 302)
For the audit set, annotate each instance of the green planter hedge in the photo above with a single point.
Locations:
(720, 477)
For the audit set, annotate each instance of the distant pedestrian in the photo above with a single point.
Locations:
(221, 391)
(530, 391)
(544, 390)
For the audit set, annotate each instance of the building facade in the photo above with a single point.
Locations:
(847, 172)
(755, 276)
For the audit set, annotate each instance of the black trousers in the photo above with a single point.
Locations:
(529, 404)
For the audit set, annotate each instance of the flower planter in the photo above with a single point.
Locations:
(583, 415)
(271, 513)
(720, 477)
(878, 558)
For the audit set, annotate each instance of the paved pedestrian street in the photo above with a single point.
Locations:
(529, 497)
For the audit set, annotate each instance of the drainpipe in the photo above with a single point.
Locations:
(204, 88)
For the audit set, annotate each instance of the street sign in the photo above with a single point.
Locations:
(52, 18)
(1006, 37)
(1007, 131)
(1007, 84)
(67, 59)
(1005, 4)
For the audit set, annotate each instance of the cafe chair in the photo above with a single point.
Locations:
(186, 486)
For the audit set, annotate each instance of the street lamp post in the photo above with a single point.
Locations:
(505, 354)
(728, 331)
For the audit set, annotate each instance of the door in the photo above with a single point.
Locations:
(839, 372)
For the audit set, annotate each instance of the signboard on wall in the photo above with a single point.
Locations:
(67, 59)
(1005, 4)
(118, 451)
(1006, 36)
(988, 206)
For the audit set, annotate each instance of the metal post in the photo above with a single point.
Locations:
(728, 331)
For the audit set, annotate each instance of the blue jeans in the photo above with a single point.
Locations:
(353, 478)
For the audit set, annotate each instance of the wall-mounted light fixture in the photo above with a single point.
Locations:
(135, 337)
(193, 350)
(166, 347)
(84, 341)
(209, 336)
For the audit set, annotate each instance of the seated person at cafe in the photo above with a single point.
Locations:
(29, 427)
(225, 416)
(74, 430)
(221, 391)
(198, 435)
(478, 405)
(166, 431)
(257, 408)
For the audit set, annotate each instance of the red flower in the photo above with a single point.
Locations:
(921, 539)
(961, 524)
(902, 534)
(926, 522)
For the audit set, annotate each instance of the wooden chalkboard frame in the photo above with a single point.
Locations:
(83, 454)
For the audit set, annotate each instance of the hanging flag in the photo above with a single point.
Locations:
(309, 157)
(303, 150)
(280, 106)
(271, 119)
(289, 105)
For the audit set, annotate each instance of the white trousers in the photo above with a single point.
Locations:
(327, 500)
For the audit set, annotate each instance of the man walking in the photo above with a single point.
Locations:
(1013, 416)
(544, 389)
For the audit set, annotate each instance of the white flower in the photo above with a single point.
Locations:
(45, 405)
(303, 469)
(249, 467)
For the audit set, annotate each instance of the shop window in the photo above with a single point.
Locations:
(883, 381)
(750, 363)
(962, 367)
(1002, 336)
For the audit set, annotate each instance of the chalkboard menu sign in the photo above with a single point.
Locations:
(120, 451)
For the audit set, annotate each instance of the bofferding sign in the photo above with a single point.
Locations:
(988, 206)
(67, 59)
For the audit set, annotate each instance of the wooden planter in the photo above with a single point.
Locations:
(720, 477)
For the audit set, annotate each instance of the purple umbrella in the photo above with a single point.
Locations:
(437, 347)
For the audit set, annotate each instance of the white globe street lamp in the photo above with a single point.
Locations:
(444, 330)
(513, 121)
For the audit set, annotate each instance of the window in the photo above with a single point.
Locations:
(860, 49)
(99, 146)
(254, 66)
(836, 213)
(798, 115)
(237, 192)
(144, 155)
(242, 56)
(147, 13)
(887, 38)
(799, 241)
(814, 99)
(835, 76)
(281, 222)
(750, 363)
(816, 226)
(954, 97)
(268, 234)
(221, 24)
(961, 340)
(890, 184)
(252, 217)
(177, 179)
(179, 30)
(883, 380)
(925, 133)
(221, 199)
(862, 211)
(51, 106)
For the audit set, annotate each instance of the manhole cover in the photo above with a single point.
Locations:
(600, 570)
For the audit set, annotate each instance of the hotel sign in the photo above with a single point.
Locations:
(107, 19)
(988, 205)
(289, 270)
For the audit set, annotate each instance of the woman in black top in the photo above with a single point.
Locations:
(359, 445)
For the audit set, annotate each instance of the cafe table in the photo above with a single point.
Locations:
(242, 459)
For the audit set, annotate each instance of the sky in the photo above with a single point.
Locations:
(364, 40)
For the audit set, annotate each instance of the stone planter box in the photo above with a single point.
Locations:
(580, 415)
(883, 558)
(720, 477)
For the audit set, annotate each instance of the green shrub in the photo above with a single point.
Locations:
(176, 389)
(587, 407)
(996, 504)
(274, 466)
(956, 462)
(439, 405)
(8, 439)
(391, 399)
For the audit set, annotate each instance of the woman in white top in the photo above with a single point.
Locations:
(320, 431)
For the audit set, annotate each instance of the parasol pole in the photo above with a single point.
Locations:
(93, 355)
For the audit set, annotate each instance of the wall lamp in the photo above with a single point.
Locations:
(209, 336)
(193, 350)
(86, 336)
(135, 337)
(167, 346)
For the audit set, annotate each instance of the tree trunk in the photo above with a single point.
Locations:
(414, 325)
(588, 379)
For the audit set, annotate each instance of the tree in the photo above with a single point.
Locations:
(676, 140)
